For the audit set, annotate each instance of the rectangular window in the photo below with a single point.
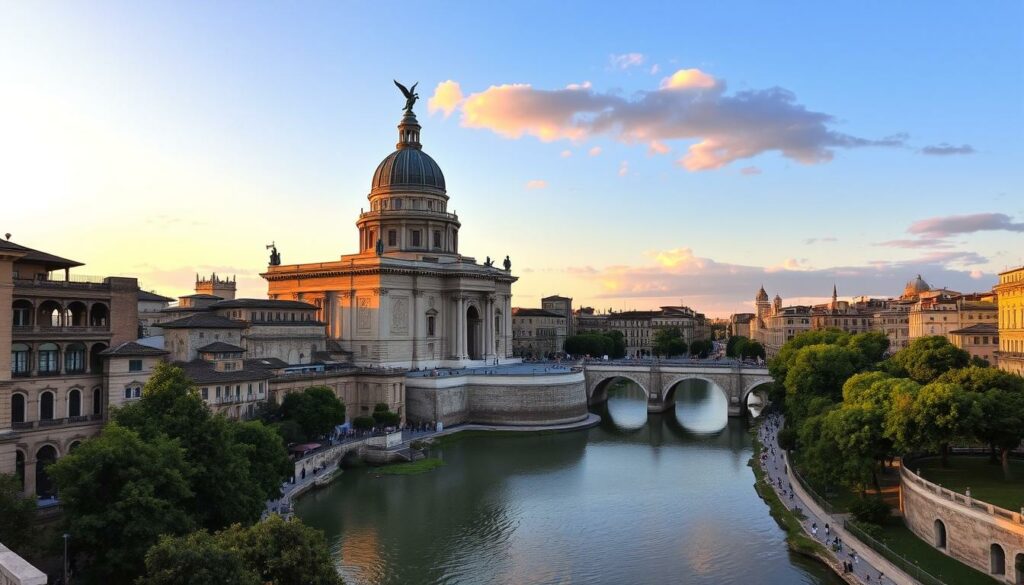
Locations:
(218, 392)
(19, 361)
(416, 238)
(20, 316)
(206, 393)
(134, 365)
(392, 238)
(250, 389)
(437, 238)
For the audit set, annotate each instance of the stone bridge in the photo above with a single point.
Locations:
(660, 380)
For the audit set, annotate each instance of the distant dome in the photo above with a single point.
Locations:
(408, 168)
(915, 287)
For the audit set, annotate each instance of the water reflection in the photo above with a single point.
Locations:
(627, 404)
(701, 407)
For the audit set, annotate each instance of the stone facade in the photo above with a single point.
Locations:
(983, 536)
(1010, 291)
(358, 388)
(537, 333)
(498, 399)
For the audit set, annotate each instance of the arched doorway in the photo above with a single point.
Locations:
(98, 315)
(95, 359)
(1018, 565)
(998, 558)
(97, 401)
(46, 406)
(45, 457)
(75, 403)
(474, 332)
(940, 534)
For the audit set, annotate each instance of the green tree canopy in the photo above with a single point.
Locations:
(316, 409)
(818, 371)
(268, 459)
(592, 344)
(927, 358)
(730, 345)
(18, 514)
(196, 559)
(119, 494)
(669, 342)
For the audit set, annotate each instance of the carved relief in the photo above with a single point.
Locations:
(363, 312)
(400, 315)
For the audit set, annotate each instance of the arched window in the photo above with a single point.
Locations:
(98, 315)
(20, 359)
(74, 358)
(17, 408)
(49, 362)
(940, 534)
(19, 467)
(97, 401)
(998, 557)
(45, 457)
(46, 406)
(75, 402)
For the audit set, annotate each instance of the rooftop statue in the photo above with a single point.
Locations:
(410, 95)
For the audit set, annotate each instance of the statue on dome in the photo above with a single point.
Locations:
(508, 263)
(488, 263)
(410, 95)
(275, 257)
(379, 247)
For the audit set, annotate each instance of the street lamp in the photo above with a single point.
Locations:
(66, 537)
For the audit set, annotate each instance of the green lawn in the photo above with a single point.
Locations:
(985, 479)
(901, 540)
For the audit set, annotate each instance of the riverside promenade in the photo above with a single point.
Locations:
(870, 567)
(290, 491)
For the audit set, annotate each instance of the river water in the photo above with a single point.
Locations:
(640, 499)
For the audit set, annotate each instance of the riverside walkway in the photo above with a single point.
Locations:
(869, 566)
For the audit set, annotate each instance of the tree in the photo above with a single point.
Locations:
(818, 370)
(871, 346)
(779, 365)
(750, 349)
(224, 490)
(669, 342)
(1000, 414)
(701, 348)
(284, 552)
(316, 409)
(618, 348)
(119, 494)
(730, 345)
(268, 459)
(18, 513)
(274, 551)
(592, 344)
(938, 414)
(927, 358)
(196, 559)
(383, 416)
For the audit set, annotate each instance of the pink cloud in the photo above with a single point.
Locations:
(447, 96)
(536, 184)
(941, 227)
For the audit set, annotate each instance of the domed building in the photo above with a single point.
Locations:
(914, 289)
(407, 298)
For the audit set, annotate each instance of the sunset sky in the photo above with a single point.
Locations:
(627, 155)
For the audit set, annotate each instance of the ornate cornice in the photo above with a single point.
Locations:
(386, 270)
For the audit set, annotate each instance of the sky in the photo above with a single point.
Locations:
(629, 155)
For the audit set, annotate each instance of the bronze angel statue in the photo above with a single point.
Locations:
(410, 95)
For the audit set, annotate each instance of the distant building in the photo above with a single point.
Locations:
(981, 340)
(773, 325)
(538, 333)
(562, 306)
(151, 307)
(1010, 292)
(739, 324)
(939, 312)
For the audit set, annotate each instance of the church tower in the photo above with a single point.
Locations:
(216, 286)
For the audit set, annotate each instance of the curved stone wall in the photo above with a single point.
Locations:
(499, 400)
(964, 528)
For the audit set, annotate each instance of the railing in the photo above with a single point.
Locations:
(894, 557)
(958, 498)
(822, 502)
(51, 329)
(73, 281)
(51, 422)
(376, 213)
(23, 425)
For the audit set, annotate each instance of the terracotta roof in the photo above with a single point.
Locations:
(130, 348)
(203, 321)
(31, 255)
(261, 304)
(266, 363)
(148, 296)
(221, 347)
(521, 312)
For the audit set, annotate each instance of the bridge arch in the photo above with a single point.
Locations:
(668, 394)
(752, 387)
(597, 390)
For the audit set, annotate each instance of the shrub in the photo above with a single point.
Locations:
(363, 422)
(872, 510)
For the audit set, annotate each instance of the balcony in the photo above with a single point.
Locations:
(426, 213)
(72, 281)
(42, 331)
(21, 426)
(56, 422)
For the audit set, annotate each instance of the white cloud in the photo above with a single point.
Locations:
(447, 96)
(536, 184)
(626, 60)
(594, 151)
(566, 153)
(623, 168)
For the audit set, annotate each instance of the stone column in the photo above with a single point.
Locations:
(416, 318)
(489, 332)
(460, 328)
(332, 315)
(351, 337)
(507, 326)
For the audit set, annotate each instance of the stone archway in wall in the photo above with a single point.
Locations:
(474, 333)
(757, 389)
(669, 392)
(599, 391)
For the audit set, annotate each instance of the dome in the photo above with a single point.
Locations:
(408, 168)
(762, 295)
(916, 287)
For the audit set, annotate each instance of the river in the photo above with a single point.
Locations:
(639, 499)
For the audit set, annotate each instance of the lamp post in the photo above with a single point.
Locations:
(66, 537)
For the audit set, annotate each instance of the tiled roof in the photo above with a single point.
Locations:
(203, 321)
(202, 296)
(204, 372)
(32, 255)
(521, 312)
(978, 329)
(221, 347)
(266, 363)
(261, 304)
(148, 296)
(130, 348)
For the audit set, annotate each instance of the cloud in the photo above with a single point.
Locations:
(565, 153)
(658, 147)
(708, 285)
(584, 85)
(623, 168)
(537, 184)
(822, 240)
(594, 151)
(947, 149)
(919, 243)
(750, 171)
(690, 105)
(941, 227)
(655, 69)
(447, 96)
(626, 60)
